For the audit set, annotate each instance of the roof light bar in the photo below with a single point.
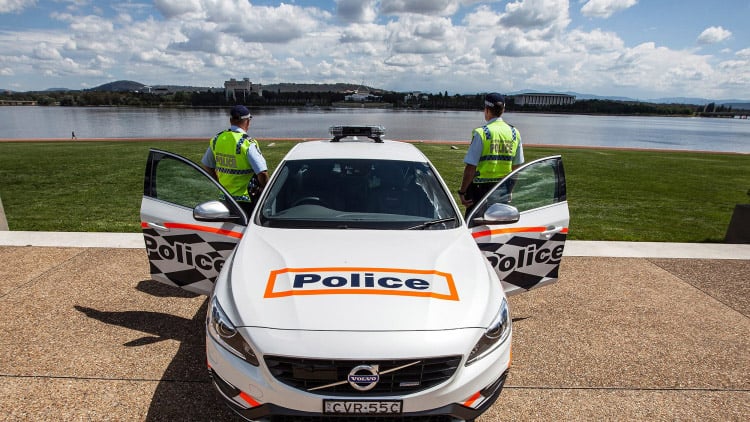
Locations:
(373, 132)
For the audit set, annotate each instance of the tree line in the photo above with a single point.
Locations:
(439, 101)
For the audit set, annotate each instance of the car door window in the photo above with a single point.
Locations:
(179, 184)
(539, 185)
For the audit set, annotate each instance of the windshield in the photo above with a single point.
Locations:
(358, 194)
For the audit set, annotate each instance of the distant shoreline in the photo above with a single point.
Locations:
(412, 141)
(740, 114)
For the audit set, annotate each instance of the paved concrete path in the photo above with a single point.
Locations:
(85, 334)
(572, 247)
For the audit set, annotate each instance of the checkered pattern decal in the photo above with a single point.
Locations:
(188, 258)
(526, 260)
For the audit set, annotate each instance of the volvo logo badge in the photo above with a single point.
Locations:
(364, 377)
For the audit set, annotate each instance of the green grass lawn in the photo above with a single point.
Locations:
(612, 194)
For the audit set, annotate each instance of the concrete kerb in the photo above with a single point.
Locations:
(572, 247)
(3, 220)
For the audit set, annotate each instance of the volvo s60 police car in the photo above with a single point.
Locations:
(356, 287)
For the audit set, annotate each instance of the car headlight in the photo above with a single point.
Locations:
(497, 332)
(221, 329)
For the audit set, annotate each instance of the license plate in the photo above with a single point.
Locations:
(362, 407)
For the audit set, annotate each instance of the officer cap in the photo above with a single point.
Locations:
(494, 100)
(240, 112)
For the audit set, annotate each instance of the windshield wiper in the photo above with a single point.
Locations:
(432, 223)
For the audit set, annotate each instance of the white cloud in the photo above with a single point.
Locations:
(332, 71)
(473, 57)
(363, 33)
(422, 7)
(92, 24)
(526, 28)
(274, 25)
(293, 64)
(361, 11)
(207, 38)
(514, 43)
(735, 74)
(547, 15)
(456, 45)
(605, 8)
(594, 41)
(482, 17)
(45, 52)
(414, 34)
(713, 35)
(659, 70)
(279, 24)
(12, 6)
(404, 60)
(177, 8)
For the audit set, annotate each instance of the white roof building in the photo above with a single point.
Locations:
(234, 89)
(544, 99)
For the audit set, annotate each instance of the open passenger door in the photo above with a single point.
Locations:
(190, 222)
(521, 225)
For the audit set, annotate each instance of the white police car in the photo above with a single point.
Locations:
(356, 288)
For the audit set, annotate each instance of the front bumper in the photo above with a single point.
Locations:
(269, 411)
(255, 394)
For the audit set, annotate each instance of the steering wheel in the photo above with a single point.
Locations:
(310, 200)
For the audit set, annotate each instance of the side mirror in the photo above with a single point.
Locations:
(498, 214)
(213, 211)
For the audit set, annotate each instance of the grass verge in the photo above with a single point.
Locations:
(613, 194)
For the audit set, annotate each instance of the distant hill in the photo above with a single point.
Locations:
(337, 87)
(132, 86)
(282, 87)
(119, 86)
(734, 103)
(737, 106)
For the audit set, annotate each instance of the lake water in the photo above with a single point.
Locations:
(673, 133)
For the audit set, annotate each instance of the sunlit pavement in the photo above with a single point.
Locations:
(633, 331)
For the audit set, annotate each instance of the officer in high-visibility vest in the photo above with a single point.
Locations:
(495, 151)
(235, 160)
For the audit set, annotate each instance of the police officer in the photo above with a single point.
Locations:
(235, 160)
(495, 151)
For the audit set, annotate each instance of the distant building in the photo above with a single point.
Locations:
(544, 99)
(362, 95)
(170, 89)
(240, 89)
(415, 96)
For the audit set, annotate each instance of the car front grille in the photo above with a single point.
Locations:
(416, 374)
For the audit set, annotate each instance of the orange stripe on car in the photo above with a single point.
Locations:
(195, 227)
(494, 232)
(472, 399)
(249, 399)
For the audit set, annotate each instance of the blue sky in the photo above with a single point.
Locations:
(642, 49)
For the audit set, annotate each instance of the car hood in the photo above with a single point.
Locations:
(359, 280)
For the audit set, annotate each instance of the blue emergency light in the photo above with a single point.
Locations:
(373, 132)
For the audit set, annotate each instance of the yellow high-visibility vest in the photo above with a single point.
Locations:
(499, 145)
(232, 166)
